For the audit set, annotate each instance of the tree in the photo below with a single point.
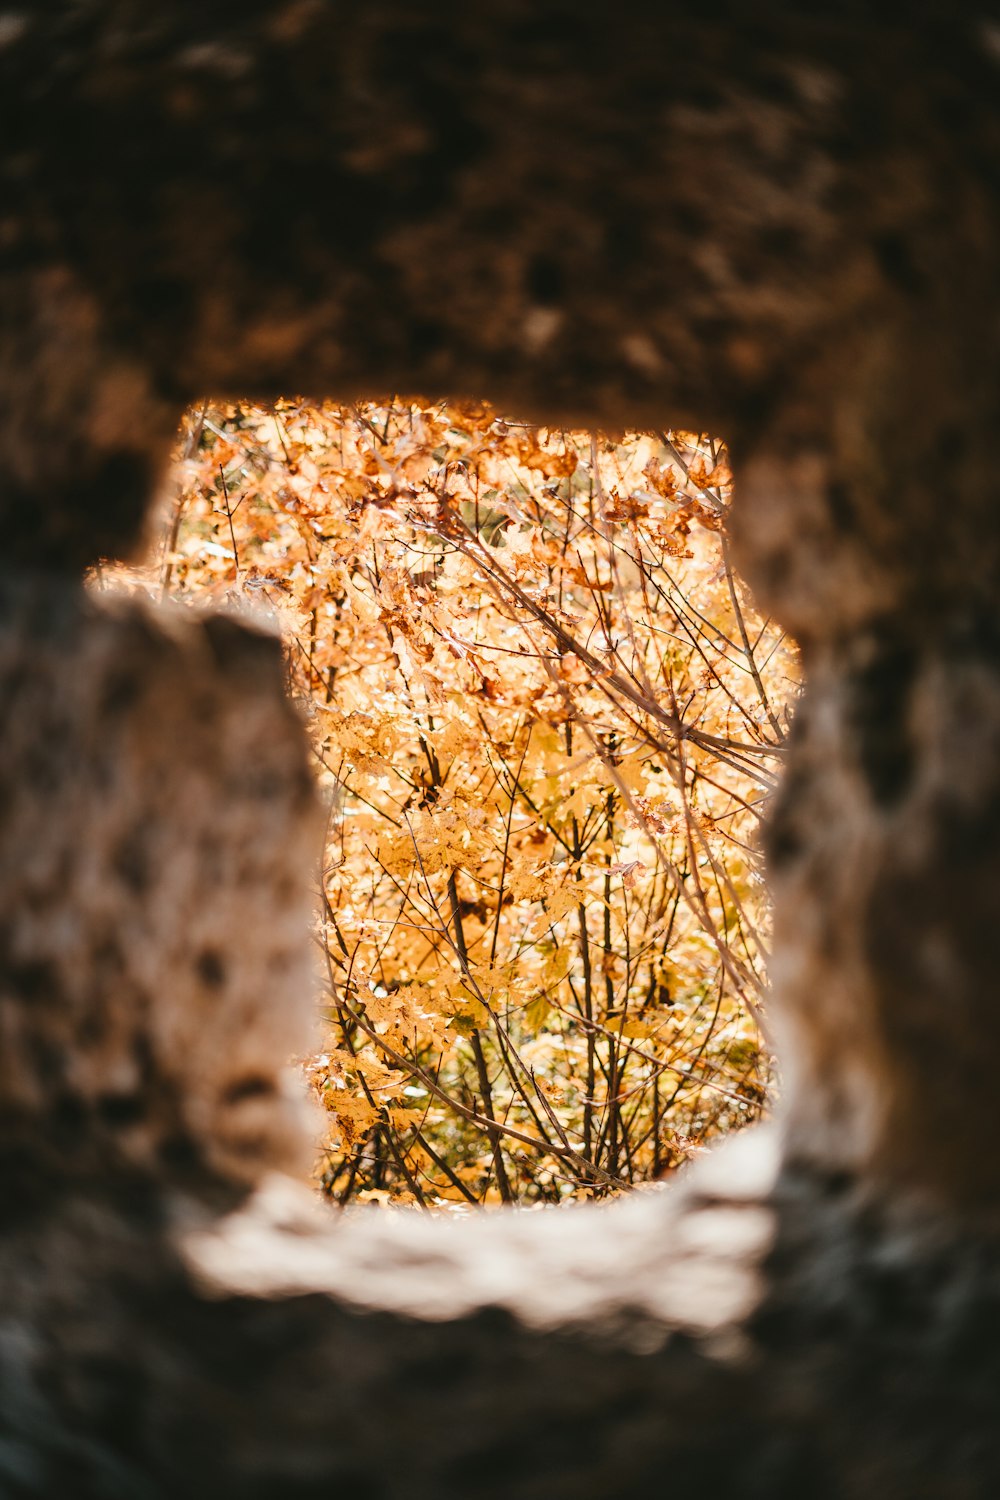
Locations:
(539, 710)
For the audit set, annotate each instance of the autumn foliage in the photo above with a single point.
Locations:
(546, 721)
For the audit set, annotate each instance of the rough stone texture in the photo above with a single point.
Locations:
(777, 221)
(885, 866)
(157, 844)
(742, 1334)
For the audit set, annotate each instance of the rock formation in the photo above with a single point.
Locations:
(772, 221)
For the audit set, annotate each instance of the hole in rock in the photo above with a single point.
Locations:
(546, 720)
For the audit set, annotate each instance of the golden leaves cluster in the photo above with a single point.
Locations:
(546, 721)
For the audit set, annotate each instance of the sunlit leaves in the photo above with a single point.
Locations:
(546, 721)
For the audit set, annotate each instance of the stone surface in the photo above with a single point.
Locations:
(747, 1332)
(737, 216)
(156, 848)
